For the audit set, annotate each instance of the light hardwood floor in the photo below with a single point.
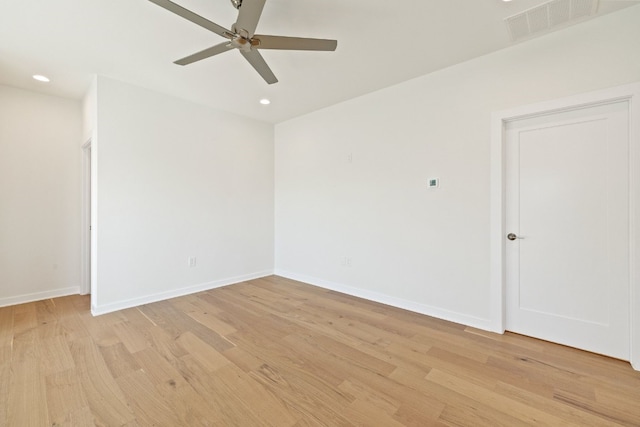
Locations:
(275, 352)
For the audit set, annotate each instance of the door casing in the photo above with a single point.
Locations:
(630, 93)
(85, 233)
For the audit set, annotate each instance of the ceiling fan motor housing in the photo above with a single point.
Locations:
(236, 3)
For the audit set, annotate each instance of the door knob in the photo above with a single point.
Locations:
(512, 236)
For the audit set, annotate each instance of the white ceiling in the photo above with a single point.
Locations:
(380, 43)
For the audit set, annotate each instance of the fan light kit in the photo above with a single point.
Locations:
(242, 36)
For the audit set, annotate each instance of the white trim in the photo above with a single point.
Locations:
(39, 296)
(630, 93)
(85, 220)
(404, 304)
(94, 218)
(634, 225)
(134, 302)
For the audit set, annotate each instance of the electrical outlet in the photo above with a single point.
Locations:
(192, 261)
(346, 262)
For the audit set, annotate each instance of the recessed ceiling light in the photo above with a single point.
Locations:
(265, 101)
(41, 78)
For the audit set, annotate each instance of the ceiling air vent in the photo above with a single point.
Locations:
(549, 16)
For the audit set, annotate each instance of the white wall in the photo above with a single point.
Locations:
(427, 250)
(39, 196)
(90, 111)
(176, 180)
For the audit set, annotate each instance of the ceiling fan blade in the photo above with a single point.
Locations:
(295, 43)
(203, 54)
(257, 61)
(193, 17)
(249, 16)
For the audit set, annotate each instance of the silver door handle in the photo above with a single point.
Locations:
(512, 236)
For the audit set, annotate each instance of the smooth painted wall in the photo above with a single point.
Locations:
(353, 211)
(39, 196)
(177, 180)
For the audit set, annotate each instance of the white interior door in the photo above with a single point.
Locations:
(567, 205)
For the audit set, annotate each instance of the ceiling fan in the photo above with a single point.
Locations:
(242, 36)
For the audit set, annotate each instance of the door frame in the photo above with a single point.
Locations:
(499, 119)
(85, 221)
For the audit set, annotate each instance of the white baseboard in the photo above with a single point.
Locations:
(451, 316)
(39, 296)
(147, 299)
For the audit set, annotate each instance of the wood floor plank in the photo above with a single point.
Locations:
(364, 394)
(201, 351)
(74, 327)
(50, 329)
(243, 359)
(45, 311)
(175, 321)
(119, 360)
(487, 374)
(412, 417)
(277, 352)
(192, 408)
(565, 412)
(104, 397)
(364, 413)
(153, 410)
(165, 344)
(272, 410)
(5, 378)
(523, 412)
(203, 312)
(278, 355)
(611, 410)
(66, 401)
(81, 417)
(228, 407)
(254, 317)
(54, 355)
(269, 301)
(334, 326)
(411, 388)
(24, 318)
(333, 348)
(308, 396)
(7, 329)
(159, 369)
(384, 385)
(134, 339)
(101, 327)
(27, 403)
(25, 346)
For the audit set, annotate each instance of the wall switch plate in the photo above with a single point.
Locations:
(434, 182)
(192, 261)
